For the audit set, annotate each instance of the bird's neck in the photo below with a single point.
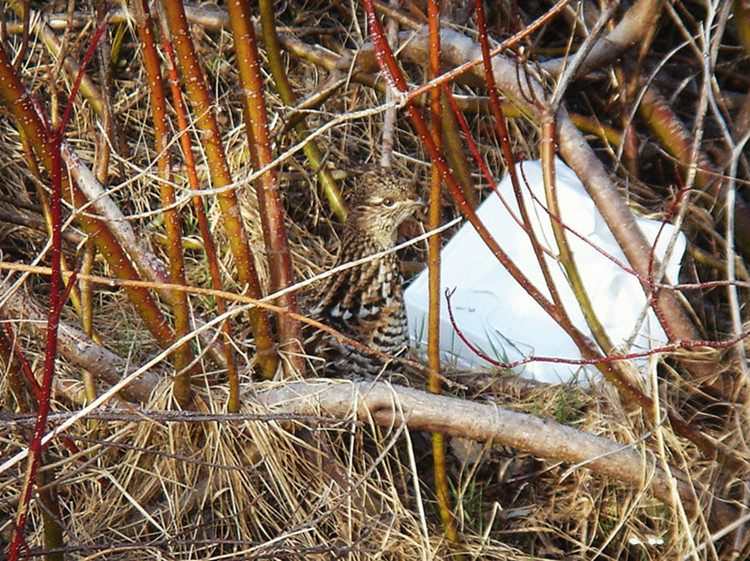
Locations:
(358, 244)
(367, 238)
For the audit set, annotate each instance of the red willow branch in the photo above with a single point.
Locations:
(56, 301)
(21, 381)
(57, 297)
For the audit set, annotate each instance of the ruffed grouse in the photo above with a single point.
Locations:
(365, 302)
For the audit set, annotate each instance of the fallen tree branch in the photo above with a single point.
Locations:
(389, 405)
(75, 345)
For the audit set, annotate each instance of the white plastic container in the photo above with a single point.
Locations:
(495, 313)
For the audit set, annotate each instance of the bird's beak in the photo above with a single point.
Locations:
(419, 207)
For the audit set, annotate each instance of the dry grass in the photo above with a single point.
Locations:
(319, 488)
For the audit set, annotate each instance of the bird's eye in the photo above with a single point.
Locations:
(388, 201)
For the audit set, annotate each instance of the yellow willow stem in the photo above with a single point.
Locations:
(549, 136)
(454, 149)
(205, 121)
(311, 149)
(212, 260)
(442, 490)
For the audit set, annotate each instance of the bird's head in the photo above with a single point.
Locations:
(380, 202)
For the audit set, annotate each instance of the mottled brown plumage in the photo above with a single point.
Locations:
(366, 302)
